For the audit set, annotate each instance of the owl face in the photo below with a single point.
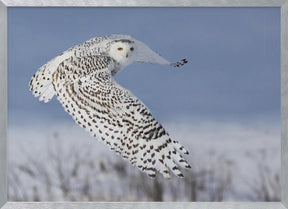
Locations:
(122, 51)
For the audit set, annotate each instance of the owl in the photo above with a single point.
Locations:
(82, 79)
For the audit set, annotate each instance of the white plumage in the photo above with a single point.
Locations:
(82, 79)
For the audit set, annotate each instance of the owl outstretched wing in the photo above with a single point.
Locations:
(88, 92)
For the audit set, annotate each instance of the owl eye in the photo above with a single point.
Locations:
(120, 49)
(132, 49)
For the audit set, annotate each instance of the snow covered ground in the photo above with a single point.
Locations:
(246, 148)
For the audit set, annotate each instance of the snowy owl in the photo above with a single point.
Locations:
(82, 79)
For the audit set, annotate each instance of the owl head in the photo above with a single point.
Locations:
(122, 51)
(125, 50)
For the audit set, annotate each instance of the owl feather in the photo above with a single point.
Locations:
(82, 79)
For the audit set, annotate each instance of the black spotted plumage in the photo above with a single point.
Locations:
(84, 85)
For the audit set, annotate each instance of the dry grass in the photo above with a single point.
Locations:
(74, 174)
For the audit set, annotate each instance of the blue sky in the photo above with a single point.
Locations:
(233, 72)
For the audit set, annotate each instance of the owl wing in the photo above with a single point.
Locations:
(114, 115)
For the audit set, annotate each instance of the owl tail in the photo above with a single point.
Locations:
(41, 82)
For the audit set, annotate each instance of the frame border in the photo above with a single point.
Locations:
(3, 104)
(147, 3)
(283, 4)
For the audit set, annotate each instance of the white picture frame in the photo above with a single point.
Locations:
(283, 4)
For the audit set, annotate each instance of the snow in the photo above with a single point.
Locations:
(244, 146)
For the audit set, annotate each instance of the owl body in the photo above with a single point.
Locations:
(82, 80)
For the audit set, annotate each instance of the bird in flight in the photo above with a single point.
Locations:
(82, 79)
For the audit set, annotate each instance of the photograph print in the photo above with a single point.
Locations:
(144, 104)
